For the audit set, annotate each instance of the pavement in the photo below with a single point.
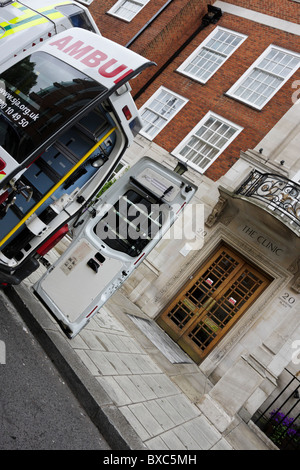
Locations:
(137, 385)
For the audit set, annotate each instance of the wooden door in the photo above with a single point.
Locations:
(209, 305)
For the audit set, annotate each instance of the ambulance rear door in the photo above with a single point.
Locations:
(127, 223)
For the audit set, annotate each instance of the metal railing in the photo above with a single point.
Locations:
(280, 419)
(280, 195)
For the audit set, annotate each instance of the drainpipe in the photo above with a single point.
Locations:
(138, 34)
(212, 16)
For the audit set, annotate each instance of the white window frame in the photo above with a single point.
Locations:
(120, 3)
(204, 46)
(146, 106)
(180, 147)
(232, 91)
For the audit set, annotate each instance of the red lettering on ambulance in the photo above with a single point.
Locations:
(61, 43)
(104, 72)
(123, 76)
(94, 59)
(75, 51)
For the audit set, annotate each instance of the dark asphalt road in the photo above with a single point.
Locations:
(37, 409)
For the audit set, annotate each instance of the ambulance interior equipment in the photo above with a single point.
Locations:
(129, 220)
(64, 126)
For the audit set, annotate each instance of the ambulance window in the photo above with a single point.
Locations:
(38, 97)
(130, 224)
(77, 16)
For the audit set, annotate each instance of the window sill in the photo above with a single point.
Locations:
(249, 105)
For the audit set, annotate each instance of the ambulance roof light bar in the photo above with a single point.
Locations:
(85, 2)
(3, 3)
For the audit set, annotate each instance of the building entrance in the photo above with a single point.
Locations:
(211, 303)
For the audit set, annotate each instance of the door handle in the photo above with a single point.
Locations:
(209, 303)
(93, 265)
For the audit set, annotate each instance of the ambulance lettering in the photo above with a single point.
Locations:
(93, 58)
(75, 50)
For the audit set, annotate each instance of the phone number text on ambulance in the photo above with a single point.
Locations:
(16, 114)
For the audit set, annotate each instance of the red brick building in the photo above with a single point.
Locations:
(174, 24)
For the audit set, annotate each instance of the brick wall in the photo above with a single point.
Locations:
(169, 30)
(288, 10)
(167, 34)
(121, 31)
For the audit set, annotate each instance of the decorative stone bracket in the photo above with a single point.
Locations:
(216, 212)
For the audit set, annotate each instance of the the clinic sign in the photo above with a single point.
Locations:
(262, 240)
(2, 353)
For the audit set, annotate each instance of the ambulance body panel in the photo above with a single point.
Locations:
(95, 59)
(24, 25)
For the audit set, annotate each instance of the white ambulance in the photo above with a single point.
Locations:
(66, 119)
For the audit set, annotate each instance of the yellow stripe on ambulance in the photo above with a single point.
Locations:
(29, 18)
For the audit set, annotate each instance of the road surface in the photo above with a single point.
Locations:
(37, 409)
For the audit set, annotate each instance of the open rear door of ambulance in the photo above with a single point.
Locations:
(129, 220)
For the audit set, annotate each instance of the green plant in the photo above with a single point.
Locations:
(105, 187)
(283, 427)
